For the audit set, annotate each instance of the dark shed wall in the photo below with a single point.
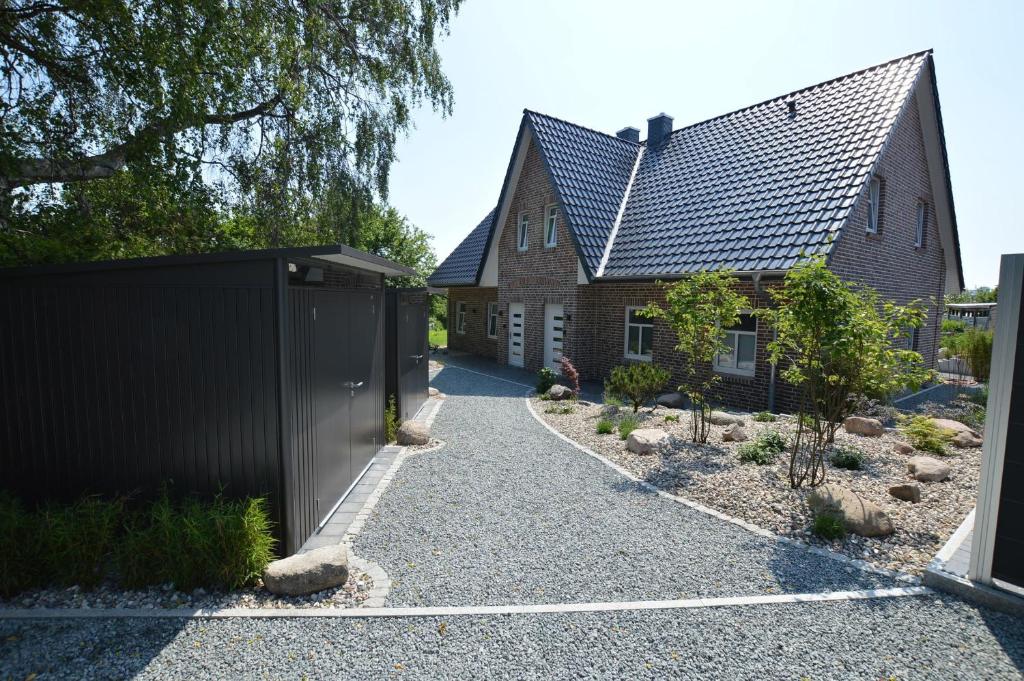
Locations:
(117, 381)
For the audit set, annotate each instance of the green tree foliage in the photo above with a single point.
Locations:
(982, 294)
(636, 383)
(836, 341)
(699, 308)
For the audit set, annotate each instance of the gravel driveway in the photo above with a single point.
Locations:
(507, 513)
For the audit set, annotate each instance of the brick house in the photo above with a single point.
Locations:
(588, 223)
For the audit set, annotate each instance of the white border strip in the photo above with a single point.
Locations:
(455, 611)
(919, 392)
(954, 542)
(618, 216)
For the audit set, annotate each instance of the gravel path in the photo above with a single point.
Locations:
(905, 638)
(507, 513)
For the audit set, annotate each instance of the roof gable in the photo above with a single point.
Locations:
(462, 266)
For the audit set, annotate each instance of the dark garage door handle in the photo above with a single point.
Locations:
(416, 357)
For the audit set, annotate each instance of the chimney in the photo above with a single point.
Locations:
(629, 134)
(658, 129)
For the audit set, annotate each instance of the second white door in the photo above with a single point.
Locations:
(516, 335)
(554, 331)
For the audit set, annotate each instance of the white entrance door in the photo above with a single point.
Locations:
(554, 327)
(516, 335)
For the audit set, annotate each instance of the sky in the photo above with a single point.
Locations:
(608, 65)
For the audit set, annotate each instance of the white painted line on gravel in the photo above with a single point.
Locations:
(472, 610)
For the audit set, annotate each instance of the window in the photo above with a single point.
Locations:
(874, 202)
(460, 317)
(524, 228)
(741, 341)
(922, 216)
(639, 335)
(550, 233)
(492, 320)
(914, 340)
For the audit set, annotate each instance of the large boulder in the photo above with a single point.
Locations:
(861, 425)
(859, 515)
(672, 400)
(307, 573)
(908, 491)
(413, 433)
(734, 433)
(721, 418)
(927, 469)
(646, 440)
(559, 392)
(955, 426)
(967, 439)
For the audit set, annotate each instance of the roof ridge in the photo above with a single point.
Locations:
(859, 72)
(581, 127)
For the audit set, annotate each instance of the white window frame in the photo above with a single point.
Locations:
(460, 317)
(735, 370)
(874, 204)
(523, 233)
(492, 315)
(922, 221)
(551, 226)
(625, 336)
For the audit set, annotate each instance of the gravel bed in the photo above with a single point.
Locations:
(712, 475)
(905, 638)
(506, 512)
(351, 594)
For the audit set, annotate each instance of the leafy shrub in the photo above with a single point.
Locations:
(20, 565)
(765, 417)
(829, 525)
(771, 439)
(850, 458)
(571, 375)
(77, 539)
(672, 418)
(545, 379)
(763, 450)
(636, 383)
(978, 348)
(952, 326)
(560, 409)
(605, 426)
(391, 422)
(924, 435)
(627, 424)
(611, 400)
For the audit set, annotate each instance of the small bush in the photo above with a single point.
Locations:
(545, 379)
(605, 426)
(627, 424)
(611, 400)
(925, 436)
(20, 554)
(672, 418)
(772, 440)
(391, 422)
(636, 383)
(978, 348)
(560, 409)
(571, 375)
(829, 525)
(850, 458)
(765, 417)
(764, 450)
(78, 539)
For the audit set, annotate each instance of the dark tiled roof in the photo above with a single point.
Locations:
(462, 265)
(590, 170)
(751, 189)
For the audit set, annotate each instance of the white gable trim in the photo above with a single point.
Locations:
(489, 276)
(618, 216)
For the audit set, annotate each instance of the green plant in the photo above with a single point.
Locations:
(627, 424)
(672, 418)
(21, 556)
(978, 348)
(924, 435)
(829, 525)
(611, 400)
(850, 458)
(636, 383)
(78, 539)
(545, 379)
(763, 450)
(570, 374)
(952, 326)
(773, 440)
(699, 308)
(605, 426)
(560, 409)
(391, 422)
(765, 417)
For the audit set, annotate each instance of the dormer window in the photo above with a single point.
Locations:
(922, 219)
(550, 233)
(874, 203)
(523, 234)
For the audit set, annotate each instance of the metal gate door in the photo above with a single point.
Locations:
(331, 399)
(364, 369)
(412, 353)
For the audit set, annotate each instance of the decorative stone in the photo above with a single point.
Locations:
(413, 433)
(646, 440)
(559, 392)
(672, 400)
(307, 573)
(860, 425)
(720, 418)
(902, 448)
(610, 410)
(955, 426)
(860, 516)
(967, 439)
(927, 469)
(432, 391)
(909, 491)
(734, 433)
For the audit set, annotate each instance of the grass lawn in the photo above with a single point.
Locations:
(439, 337)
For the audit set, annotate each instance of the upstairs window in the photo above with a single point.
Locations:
(874, 204)
(460, 317)
(639, 335)
(524, 230)
(922, 217)
(741, 341)
(492, 320)
(550, 233)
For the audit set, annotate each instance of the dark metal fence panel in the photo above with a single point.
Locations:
(407, 350)
(301, 514)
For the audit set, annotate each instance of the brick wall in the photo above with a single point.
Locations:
(889, 261)
(475, 338)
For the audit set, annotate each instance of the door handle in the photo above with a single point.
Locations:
(350, 384)
(416, 357)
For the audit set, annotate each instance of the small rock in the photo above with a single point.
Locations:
(910, 491)
(967, 439)
(559, 392)
(927, 469)
(413, 433)
(610, 410)
(860, 425)
(734, 433)
(432, 391)
(902, 448)
(306, 573)
(674, 400)
(720, 418)
(645, 440)
(860, 516)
